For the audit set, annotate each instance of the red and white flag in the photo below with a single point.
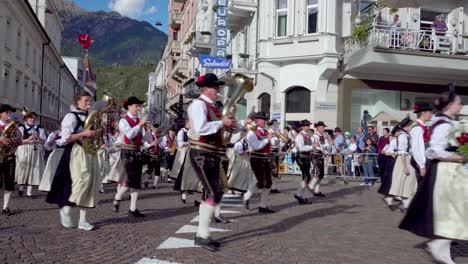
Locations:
(85, 40)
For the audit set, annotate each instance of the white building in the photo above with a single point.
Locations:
(33, 73)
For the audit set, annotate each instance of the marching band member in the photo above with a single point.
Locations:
(304, 151)
(178, 168)
(439, 209)
(320, 147)
(170, 148)
(390, 152)
(117, 171)
(153, 156)
(404, 181)
(419, 138)
(134, 133)
(77, 179)
(260, 160)
(206, 147)
(30, 155)
(7, 163)
(240, 174)
(52, 144)
(275, 149)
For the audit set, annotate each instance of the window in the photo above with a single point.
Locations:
(264, 102)
(312, 12)
(298, 100)
(8, 35)
(18, 44)
(34, 62)
(175, 35)
(26, 96)
(33, 93)
(26, 56)
(17, 85)
(281, 17)
(6, 82)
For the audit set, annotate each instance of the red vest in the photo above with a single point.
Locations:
(213, 114)
(426, 135)
(261, 135)
(136, 140)
(307, 140)
(1, 130)
(170, 141)
(154, 149)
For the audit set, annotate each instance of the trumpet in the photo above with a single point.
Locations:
(280, 135)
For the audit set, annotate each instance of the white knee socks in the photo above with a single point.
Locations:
(217, 211)
(184, 196)
(388, 200)
(82, 216)
(406, 203)
(317, 188)
(65, 217)
(156, 179)
(301, 190)
(133, 200)
(6, 199)
(273, 183)
(264, 198)
(313, 183)
(206, 212)
(21, 187)
(120, 193)
(440, 250)
(29, 190)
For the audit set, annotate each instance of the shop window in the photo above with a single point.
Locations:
(264, 102)
(298, 100)
(281, 17)
(312, 14)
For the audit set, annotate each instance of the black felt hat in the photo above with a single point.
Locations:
(6, 107)
(305, 122)
(131, 101)
(261, 115)
(320, 123)
(209, 80)
(422, 108)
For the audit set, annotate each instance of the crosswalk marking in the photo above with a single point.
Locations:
(193, 229)
(154, 261)
(174, 242)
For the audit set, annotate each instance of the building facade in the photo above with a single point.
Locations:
(33, 73)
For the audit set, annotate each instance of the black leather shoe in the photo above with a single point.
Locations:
(222, 220)
(146, 184)
(247, 204)
(183, 200)
(301, 200)
(319, 194)
(196, 203)
(274, 191)
(115, 206)
(20, 193)
(265, 210)
(7, 212)
(135, 213)
(207, 244)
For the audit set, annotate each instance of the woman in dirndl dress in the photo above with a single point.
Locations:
(30, 155)
(240, 174)
(404, 182)
(76, 181)
(117, 171)
(439, 210)
(52, 144)
(388, 164)
(180, 160)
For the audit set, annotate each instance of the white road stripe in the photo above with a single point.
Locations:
(174, 242)
(193, 229)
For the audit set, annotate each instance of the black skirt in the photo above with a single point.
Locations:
(420, 216)
(386, 175)
(61, 188)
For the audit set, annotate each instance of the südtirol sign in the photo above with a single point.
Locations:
(221, 28)
(214, 63)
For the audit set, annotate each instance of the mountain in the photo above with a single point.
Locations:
(117, 39)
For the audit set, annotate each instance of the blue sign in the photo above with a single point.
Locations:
(221, 29)
(214, 63)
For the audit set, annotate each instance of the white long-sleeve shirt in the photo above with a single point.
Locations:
(316, 139)
(403, 143)
(254, 142)
(300, 145)
(180, 138)
(418, 149)
(390, 148)
(32, 129)
(148, 143)
(132, 132)
(439, 139)
(69, 123)
(48, 145)
(239, 147)
(197, 113)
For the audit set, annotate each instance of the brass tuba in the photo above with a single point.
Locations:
(94, 122)
(11, 132)
(241, 85)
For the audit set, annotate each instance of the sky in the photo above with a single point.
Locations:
(148, 10)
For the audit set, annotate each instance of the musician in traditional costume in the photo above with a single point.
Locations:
(30, 155)
(77, 179)
(54, 145)
(180, 158)
(419, 139)
(304, 149)
(320, 149)
(404, 181)
(152, 157)
(206, 146)
(390, 152)
(7, 161)
(439, 209)
(240, 174)
(260, 161)
(134, 136)
(276, 150)
(117, 173)
(170, 143)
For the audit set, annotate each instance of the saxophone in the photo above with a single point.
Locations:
(241, 85)
(94, 122)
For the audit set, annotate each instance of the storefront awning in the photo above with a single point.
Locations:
(391, 118)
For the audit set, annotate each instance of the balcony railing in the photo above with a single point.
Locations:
(201, 44)
(175, 48)
(180, 70)
(191, 91)
(176, 19)
(415, 40)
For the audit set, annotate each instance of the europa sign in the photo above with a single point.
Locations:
(221, 28)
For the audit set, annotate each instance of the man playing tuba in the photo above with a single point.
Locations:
(7, 161)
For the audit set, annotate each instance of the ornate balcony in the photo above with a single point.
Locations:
(176, 19)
